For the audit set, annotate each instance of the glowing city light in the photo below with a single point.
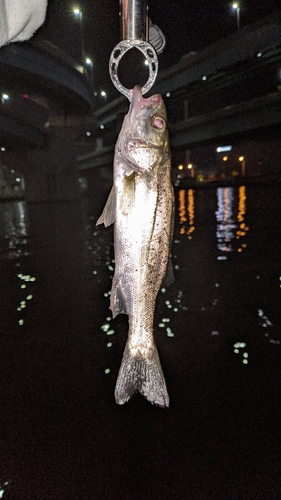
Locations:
(236, 6)
(224, 149)
(77, 12)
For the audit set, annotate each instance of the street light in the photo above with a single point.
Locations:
(4, 97)
(89, 63)
(78, 13)
(190, 166)
(243, 164)
(236, 7)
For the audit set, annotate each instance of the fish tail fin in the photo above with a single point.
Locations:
(144, 375)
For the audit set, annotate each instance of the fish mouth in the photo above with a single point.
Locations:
(136, 94)
(136, 144)
(139, 143)
(140, 102)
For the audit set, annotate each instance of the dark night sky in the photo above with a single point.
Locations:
(189, 25)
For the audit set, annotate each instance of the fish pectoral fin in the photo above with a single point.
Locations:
(144, 375)
(108, 214)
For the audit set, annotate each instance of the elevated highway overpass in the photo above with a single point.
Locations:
(39, 80)
(229, 89)
(225, 124)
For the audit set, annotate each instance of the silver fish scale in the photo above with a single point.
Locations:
(142, 241)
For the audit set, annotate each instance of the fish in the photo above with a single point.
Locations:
(140, 205)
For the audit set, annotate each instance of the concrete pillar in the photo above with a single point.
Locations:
(51, 173)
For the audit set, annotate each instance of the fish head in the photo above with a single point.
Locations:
(144, 140)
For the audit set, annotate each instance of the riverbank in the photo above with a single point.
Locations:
(192, 183)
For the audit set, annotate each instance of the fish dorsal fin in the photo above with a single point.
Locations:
(108, 214)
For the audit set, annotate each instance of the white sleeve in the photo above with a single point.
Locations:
(19, 19)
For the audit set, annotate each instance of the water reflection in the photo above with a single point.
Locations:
(268, 325)
(245, 355)
(231, 228)
(241, 204)
(60, 371)
(225, 219)
(27, 282)
(242, 228)
(3, 488)
(229, 207)
(187, 208)
(13, 228)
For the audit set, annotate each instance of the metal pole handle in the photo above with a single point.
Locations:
(134, 29)
(134, 20)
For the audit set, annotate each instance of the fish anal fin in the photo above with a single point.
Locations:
(143, 375)
(117, 301)
(108, 214)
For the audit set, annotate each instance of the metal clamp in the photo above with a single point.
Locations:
(134, 34)
(117, 54)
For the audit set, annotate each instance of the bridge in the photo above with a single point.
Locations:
(229, 90)
(38, 82)
(44, 82)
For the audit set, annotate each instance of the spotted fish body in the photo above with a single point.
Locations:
(141, 204)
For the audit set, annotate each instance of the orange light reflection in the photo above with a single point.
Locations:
(242, 229)
(187, 207)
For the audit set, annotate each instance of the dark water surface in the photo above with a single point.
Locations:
(218, 334)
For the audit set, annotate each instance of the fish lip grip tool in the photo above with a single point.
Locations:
(134, 29)
(117, 54)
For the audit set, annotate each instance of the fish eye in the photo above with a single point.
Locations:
(158, 122)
